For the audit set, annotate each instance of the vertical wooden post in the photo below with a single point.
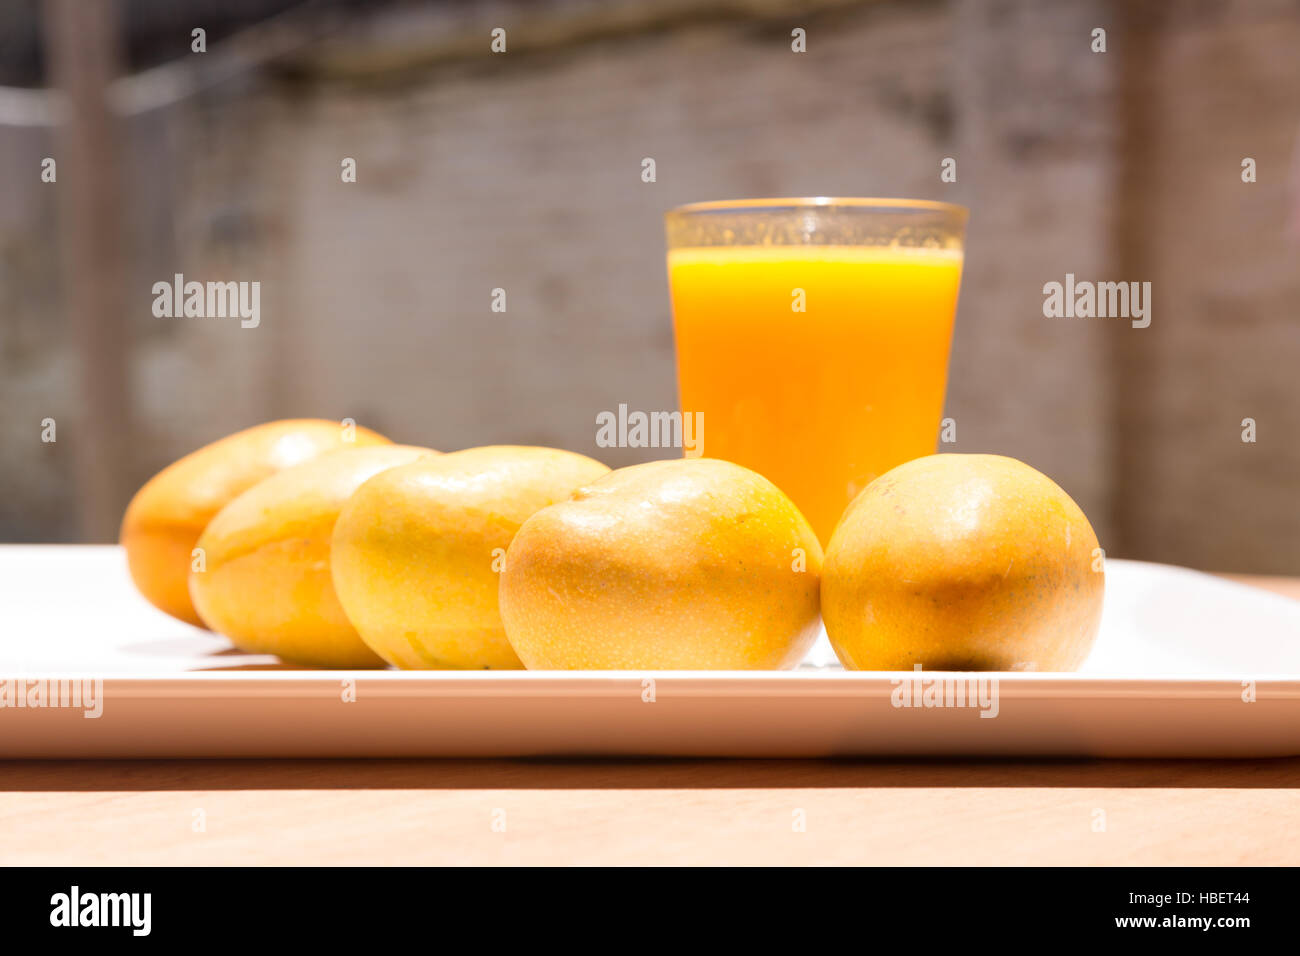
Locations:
(1133, 402)
(82, 45)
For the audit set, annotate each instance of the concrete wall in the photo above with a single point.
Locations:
(522, 172)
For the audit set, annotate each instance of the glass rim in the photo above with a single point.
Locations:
(806, 203)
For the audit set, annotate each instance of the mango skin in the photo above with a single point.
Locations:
(267, 584)
(695, 564)
(963, 562)
(163, 522)
(418, 549)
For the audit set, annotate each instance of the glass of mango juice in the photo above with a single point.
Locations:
(813, 336)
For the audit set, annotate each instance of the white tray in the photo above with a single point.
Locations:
(1178, 655)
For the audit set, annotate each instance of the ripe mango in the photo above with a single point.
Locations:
(689, 564)
(418, 550)
(267, 583)
(165, 518)
(963, 562)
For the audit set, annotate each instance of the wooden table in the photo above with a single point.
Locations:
(645, 812)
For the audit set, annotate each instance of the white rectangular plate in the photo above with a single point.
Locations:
(1186, 665)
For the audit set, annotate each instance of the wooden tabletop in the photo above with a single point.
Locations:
(1175, 812)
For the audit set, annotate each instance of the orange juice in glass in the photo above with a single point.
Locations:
(813, 336)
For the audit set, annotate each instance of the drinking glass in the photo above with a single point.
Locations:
(813, 336)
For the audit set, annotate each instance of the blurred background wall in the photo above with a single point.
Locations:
(522, 171)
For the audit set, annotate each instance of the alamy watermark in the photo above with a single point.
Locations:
(929, 692)
(1103, 300)
(209, 300)
(636, 429)
(77, 909)
(36, 693)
